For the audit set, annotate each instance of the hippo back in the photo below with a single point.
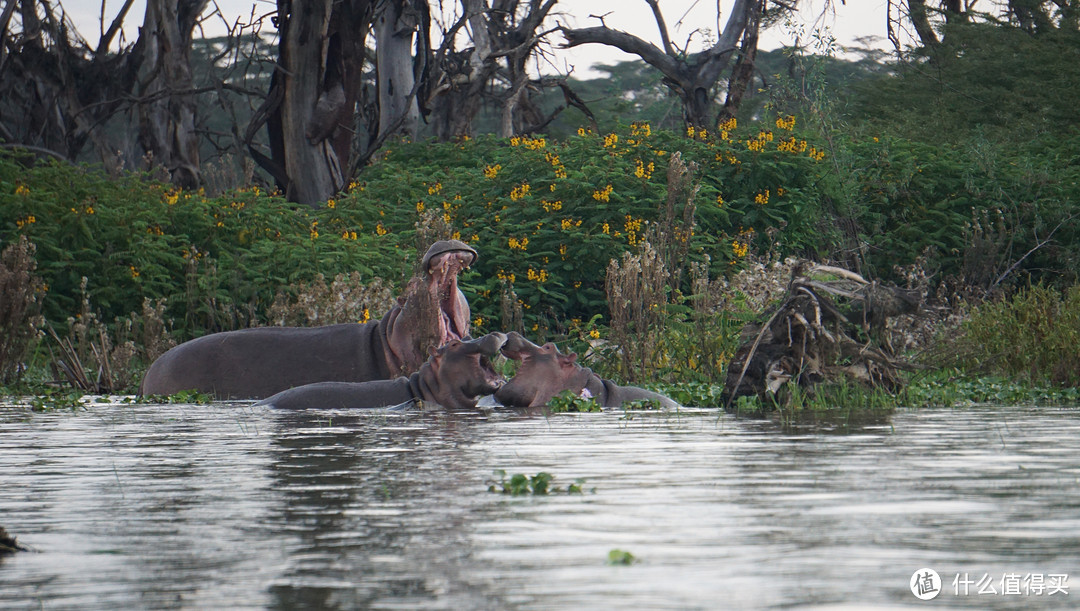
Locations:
(259, 362)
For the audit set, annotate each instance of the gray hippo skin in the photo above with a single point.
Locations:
(455, 376)
(256, 363)
(545, 372)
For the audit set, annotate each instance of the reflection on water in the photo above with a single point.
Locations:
(227, 506)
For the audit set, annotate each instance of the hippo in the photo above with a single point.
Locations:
(454, 376)
(545, 372)
(258, 362)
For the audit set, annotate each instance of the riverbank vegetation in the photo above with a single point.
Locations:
(648, 251)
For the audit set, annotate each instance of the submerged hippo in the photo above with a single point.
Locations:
(455, 376)
(256, 363)
(545, 372)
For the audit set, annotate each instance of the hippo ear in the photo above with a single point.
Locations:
(568, 360)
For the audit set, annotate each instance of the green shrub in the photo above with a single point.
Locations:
(1033, 337)
(218, 262)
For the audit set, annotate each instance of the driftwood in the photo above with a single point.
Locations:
(830, 325)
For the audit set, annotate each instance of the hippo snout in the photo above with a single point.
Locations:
(491, 344)
(516, 345)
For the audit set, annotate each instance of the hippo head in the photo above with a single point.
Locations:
(442, 263)
(543, 373)
(433, 310)
(460, 371)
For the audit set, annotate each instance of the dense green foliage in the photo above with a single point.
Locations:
(985, 81)
(218, 261)
(1033, 336)
(546, 218)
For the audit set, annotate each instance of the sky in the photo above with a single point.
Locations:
(687, 19)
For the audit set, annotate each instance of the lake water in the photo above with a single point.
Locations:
(229, 506)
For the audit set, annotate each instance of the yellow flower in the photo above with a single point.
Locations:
(22, 190)
(762, 198)
(603, 196)
(516, 244)
(435, 188)
(551, 206)
(539, 277)
(366, 316)
(478, 321)
(380, 230)
(134, 272)
(172, 197)
(594, 334)
(786, 124)
(519, 191)
(420, 206)
(640, 129)
(728, 125)
(611, 140)
(331, 204)
(492, 171)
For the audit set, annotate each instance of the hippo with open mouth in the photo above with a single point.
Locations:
(545, 372)
(256, 363)
(454, 376)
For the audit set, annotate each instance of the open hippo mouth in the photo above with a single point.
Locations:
(492, 380)
(443, 263)
(483, 379)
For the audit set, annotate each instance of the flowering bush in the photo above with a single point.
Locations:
(546, 217)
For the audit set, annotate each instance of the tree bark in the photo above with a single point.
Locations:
(310, 110)
(167, 118)
(396, 22)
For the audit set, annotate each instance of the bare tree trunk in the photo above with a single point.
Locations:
(743, 71)
(310, 109)
(396, 21)
(920, 19)
(167, 116)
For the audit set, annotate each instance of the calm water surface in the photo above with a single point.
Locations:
(228, 506)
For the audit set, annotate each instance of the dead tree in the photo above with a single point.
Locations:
(692, 76)
(167, 107)
(57, 89)
(317, 85)
(505, 35)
